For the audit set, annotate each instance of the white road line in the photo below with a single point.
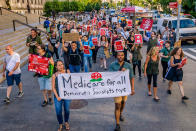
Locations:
(193, 50)
(189, 55)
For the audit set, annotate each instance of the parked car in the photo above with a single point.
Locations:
(187, 27)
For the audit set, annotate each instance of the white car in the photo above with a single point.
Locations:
(187, 27)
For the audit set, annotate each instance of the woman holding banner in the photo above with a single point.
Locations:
(103, 52)
(175, 72)
(151, 70)
(59, 69)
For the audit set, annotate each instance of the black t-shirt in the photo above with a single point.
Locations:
(53, 41)
(67, 31)
(74, 57)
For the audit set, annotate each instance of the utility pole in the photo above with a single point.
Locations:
(178, 20)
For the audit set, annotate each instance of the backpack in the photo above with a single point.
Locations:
(45, 25)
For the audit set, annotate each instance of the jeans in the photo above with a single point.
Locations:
(58, 108)
(74, 68)
(56, 53)
(138, 64)
(95, 53)
(87, 60)
(82, 60)
(66, 60)
(165, 67)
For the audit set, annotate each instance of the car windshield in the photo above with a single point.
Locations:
(186, 23)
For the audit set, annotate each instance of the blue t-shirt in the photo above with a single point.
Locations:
(88, 43)
(46, 23)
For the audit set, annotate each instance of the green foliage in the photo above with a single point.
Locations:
(66, 6)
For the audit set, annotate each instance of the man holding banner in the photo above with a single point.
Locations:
(121, 65)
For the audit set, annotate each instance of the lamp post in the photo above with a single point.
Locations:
(178, 20)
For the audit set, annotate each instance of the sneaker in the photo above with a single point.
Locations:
(50, 102)
(169, 92)
(20, 94)
(185, 98)
(44, 103)
(122, 118)
(7, 100)
(117, 128)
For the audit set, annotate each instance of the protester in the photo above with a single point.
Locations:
(54, 41)
(121, 65)
(172, 37)
(152, 41)
(12, 72)
(33, 41)
(87, 56)
(165, 57)
(95, 36)
(43, 80)
(47, 25)
(74, 57)
(58, 102)
(151, 70)
(103, 51)
(137, 57)
(165, 34)
(175, 74)
(112, 42)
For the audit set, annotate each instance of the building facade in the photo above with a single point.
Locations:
(24, 6)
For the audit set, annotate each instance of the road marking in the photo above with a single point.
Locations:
(193, 50)
(189, 55)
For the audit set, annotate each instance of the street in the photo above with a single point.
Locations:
(141, 112)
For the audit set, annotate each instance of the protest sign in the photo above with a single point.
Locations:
(103, 22)
(114, 19)
(160, 44)
(129, 23)
(70, 36)
(38, 64)
(95, 41)
(138, 39)
(103, 31)
(183, 62)
(146, 24)
(88, 27)
(99, 24)
(86, 49)
(118, 46)
(94, 85)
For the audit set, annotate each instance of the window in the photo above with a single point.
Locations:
(186, 23)
(170, 25)
(165, 23)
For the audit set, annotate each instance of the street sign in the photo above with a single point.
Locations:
(173, 4)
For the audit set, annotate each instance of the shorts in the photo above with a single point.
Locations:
(45, 83)
(120, 99)
(12, 78)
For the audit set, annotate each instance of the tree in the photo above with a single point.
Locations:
(88, 7)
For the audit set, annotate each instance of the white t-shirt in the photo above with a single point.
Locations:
(11, 61)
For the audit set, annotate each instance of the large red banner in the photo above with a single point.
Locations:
(118, 46)
(138, 39)
(146, 24)
(38, 64)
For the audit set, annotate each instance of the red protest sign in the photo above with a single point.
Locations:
(183, 62)
(99, 24)
(160, 44)
(86, 49)
(88, 28)
(95, 41)
(138, 39)
(118, 46)
(146, 24)
(173, 4)
(38, 64)
(103, 31)
(104, 22)
(129, 23)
